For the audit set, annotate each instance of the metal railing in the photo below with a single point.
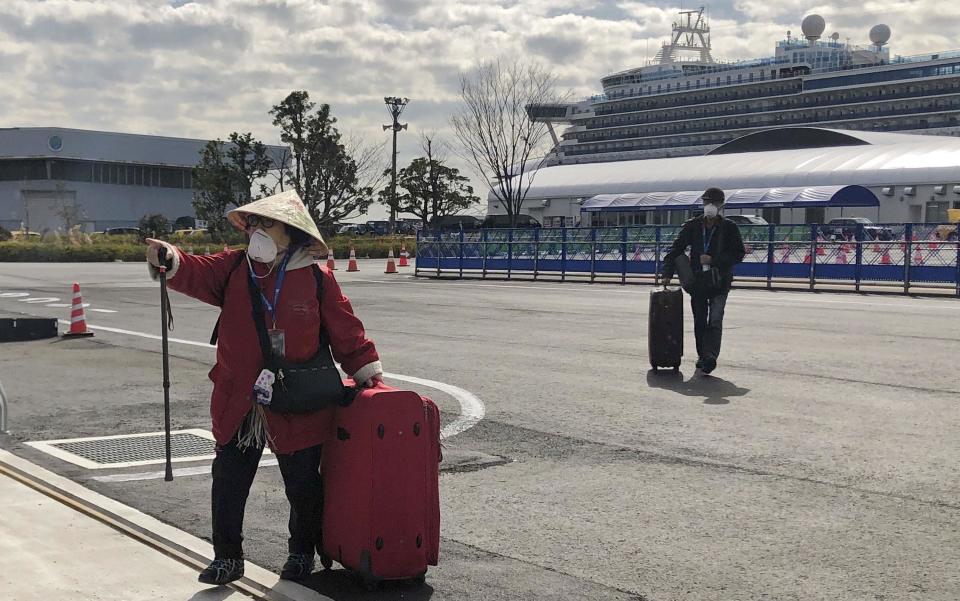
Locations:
(904, 257)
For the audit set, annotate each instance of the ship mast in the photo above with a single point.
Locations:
(686, 34)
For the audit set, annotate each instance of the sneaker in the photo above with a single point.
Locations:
(709, 364)
(222, 571)
(297, 567)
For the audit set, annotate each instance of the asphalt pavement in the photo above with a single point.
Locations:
(819, 462)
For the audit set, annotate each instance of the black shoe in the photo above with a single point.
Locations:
(222, 571)
(297, 567)
(709, 364)
(699, 363)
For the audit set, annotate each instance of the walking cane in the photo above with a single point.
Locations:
(166, 318)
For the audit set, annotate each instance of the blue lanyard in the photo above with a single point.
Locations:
(706, 238)
(276, 291)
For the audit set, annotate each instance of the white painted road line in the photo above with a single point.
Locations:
(177, 473)
(103, 310)
(472, 409)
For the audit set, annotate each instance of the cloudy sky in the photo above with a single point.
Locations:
(204, 68)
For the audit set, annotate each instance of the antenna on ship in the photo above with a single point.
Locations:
(689, 35)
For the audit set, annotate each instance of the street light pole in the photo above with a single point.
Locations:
(396, 106)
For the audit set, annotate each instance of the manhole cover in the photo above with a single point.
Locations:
(131, 449)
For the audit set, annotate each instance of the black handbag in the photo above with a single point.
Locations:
(301, 387)
(710, 281)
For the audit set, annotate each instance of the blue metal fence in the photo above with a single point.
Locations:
(907, 256)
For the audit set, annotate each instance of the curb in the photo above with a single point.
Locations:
(185, 548)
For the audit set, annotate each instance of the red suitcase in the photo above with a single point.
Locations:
(381, 470)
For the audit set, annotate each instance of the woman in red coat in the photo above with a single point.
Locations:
(283, 241)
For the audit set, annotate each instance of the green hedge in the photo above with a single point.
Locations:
(132, 251)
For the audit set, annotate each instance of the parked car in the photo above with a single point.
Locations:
(747, 219)
(845, 228)
(22, 235)
(189, 232)
(503, 221)
(455, 223)
(123, 231)
(352, 229)
(378, 228)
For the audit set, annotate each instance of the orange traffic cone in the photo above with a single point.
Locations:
(918, 258)
(807, 259)
(885, 259)
(352, 265)
(78, 323)
(403, 255)
(331, 263)
(391, 263)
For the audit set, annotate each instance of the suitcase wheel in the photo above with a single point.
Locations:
(367, 582)
(325, 561)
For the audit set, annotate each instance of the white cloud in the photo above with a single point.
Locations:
(204, 68)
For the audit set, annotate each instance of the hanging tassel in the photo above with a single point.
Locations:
(255, 432)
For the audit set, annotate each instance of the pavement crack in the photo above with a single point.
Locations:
(634, 596)
(671, 459)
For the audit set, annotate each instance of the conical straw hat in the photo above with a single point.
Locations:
(285, 207)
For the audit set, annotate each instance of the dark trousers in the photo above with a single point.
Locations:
(708, 323)
(233, 472)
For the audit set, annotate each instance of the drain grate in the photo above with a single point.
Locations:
(142, 448)
(130, 450)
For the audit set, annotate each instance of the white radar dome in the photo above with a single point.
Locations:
(813, 27)
(880, 34)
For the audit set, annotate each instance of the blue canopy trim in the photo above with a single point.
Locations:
(746, 198)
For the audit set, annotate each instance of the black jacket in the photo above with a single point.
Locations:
(726, 248)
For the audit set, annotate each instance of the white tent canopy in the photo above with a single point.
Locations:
(891, 159)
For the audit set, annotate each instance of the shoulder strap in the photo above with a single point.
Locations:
(318, 275)
(216, 327)
(258, 320)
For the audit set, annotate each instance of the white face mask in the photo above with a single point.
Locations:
(711, 210)
(262, 248)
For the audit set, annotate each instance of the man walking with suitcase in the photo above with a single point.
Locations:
(715, 248)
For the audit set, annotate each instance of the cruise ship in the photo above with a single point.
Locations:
(686, 103)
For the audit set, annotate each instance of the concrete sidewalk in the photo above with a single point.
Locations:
(61, 541)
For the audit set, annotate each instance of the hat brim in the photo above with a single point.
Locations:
(286, 208)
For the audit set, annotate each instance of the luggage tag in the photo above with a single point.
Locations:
(277, 343)
(263, 388)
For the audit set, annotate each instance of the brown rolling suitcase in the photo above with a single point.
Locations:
(665, 328)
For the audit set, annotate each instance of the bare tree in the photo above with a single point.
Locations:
(498, 139)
